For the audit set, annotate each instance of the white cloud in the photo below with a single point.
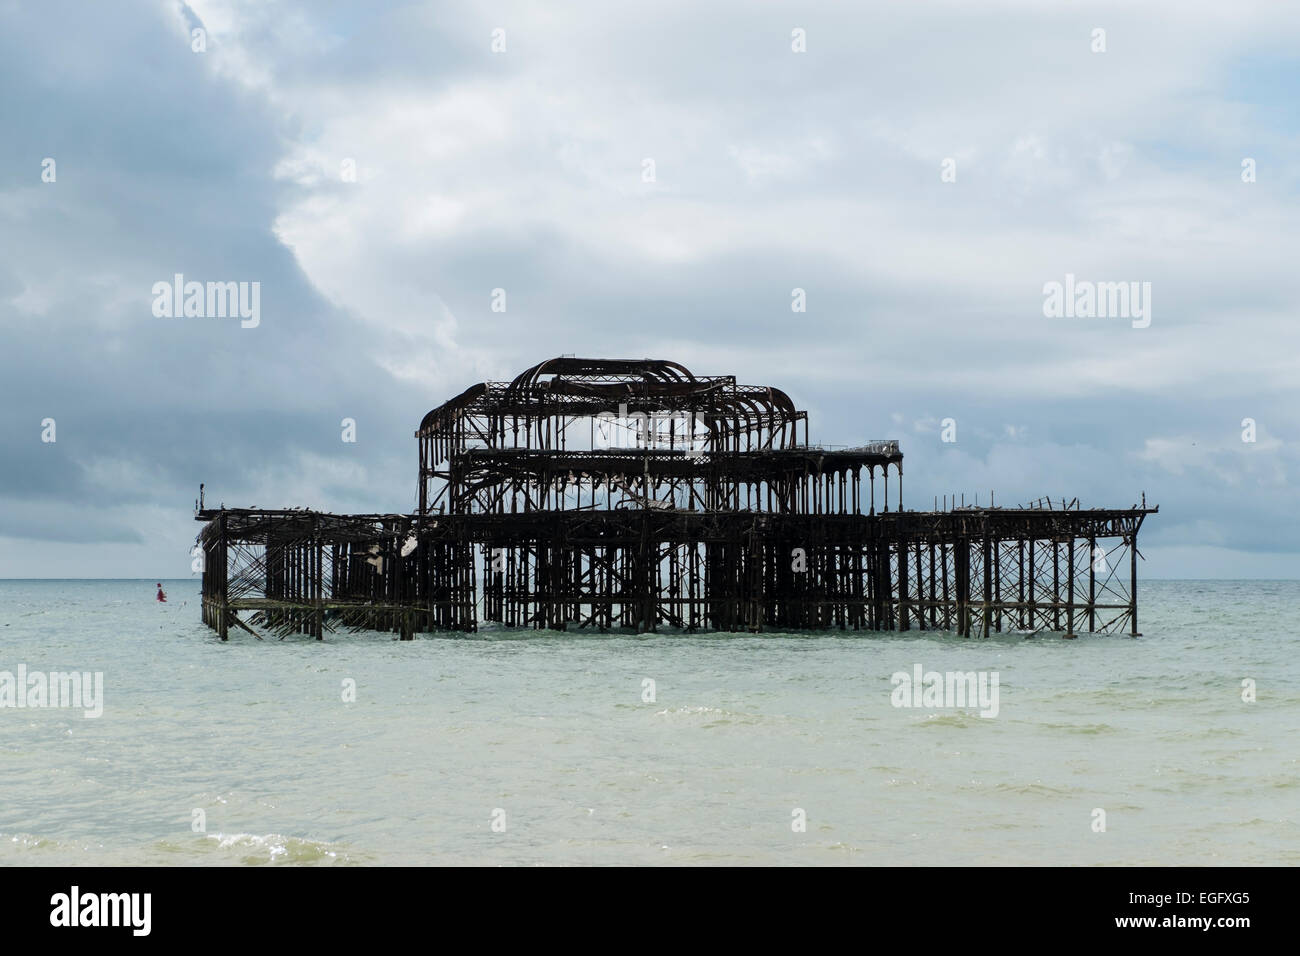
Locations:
(820, 171)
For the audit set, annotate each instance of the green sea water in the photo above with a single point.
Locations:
(524, 748)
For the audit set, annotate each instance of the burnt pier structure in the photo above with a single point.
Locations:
(634, 495)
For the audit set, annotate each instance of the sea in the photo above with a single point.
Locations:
(507, 747)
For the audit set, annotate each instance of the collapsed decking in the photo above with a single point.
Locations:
(596, 493)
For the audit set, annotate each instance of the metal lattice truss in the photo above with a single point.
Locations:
(608, 494)
(576, 433)
(976, 571)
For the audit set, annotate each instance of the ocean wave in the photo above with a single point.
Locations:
(714, 716)
(274, 848)
(1035, 789)
(1081, 728)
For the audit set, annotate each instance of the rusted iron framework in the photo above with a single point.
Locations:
(619, 494)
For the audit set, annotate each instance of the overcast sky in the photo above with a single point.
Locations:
(525, 169)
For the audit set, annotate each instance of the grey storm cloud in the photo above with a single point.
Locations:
(523, 170)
